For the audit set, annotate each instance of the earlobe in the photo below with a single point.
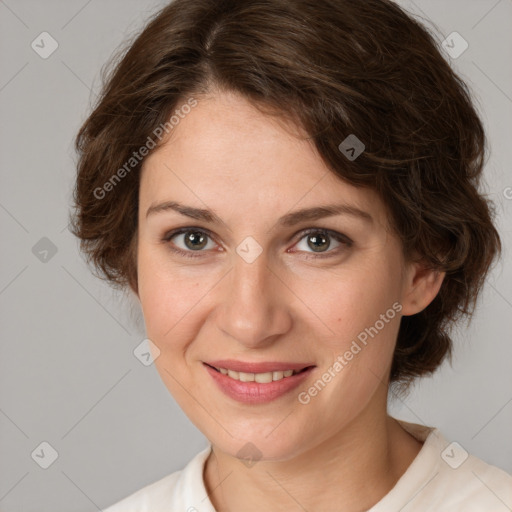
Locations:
(421, 288)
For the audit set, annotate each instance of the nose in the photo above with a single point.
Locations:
(254, 304)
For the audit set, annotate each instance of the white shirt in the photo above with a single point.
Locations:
(442, 478)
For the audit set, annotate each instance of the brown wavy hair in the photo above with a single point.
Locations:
(335, 68)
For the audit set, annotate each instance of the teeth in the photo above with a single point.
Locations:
(262, 378)
(233, 374)
(246, 377)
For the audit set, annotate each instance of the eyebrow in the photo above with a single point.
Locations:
(290, 219)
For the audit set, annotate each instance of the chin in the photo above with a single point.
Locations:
(251, 445)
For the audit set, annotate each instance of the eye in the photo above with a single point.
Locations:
(320, 240)
(191, 242)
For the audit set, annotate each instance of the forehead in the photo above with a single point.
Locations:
(226, 148)
(224, 127)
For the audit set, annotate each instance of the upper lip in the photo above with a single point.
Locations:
(246, 367)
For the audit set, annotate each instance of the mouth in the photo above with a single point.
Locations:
(259, 383)
(261, 377)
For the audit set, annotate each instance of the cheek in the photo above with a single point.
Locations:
(347, 301)
(168, 306)
(359, 310)
(357, 357)
(164, 298)
(171, 306)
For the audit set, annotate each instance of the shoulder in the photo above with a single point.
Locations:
(475, 485)
(169, 493)
(444, 477)
(156, 494)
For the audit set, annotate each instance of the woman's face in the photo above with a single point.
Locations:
(251, 285)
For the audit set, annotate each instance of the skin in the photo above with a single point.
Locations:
(251, 169)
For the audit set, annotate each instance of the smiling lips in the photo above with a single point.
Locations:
(270, 366)
(262, 378)
(257, 382)
(257, 372)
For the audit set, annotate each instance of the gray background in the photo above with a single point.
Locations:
(68, 375)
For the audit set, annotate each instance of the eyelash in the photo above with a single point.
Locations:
(339, 237)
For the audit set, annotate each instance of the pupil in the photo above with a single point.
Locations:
(321, 240)
(196, 239)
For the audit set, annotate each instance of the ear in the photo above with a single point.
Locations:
(421, 286)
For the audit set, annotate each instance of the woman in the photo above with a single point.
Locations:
(290, 188)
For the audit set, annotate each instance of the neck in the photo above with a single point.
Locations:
(355, 469)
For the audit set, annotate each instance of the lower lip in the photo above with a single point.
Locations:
(255, 392)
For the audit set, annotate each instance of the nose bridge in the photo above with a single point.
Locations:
(253, 311)
(250, 278)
